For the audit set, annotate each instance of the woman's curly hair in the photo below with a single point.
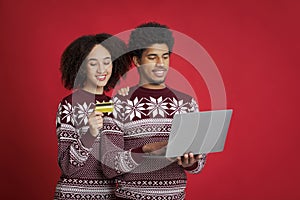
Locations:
(71, 66)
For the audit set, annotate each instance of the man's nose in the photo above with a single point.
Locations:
(160, 62)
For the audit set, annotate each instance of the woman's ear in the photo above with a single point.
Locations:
(136, 61)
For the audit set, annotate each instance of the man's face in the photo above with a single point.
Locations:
(153, 66)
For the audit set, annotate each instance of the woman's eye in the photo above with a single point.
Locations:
(93, 64)
(107, 62)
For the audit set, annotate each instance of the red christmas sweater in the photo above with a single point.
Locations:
(145, 116)
(81, 172)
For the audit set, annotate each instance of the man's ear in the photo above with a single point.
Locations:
(136, 61)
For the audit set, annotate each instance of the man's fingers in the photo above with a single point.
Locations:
(179, 162)
(191, 158)
(199, 157)
(163, 143)
(186, 158)
(172, 159)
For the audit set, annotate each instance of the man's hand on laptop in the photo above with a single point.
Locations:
(156, 148)
(188, 159)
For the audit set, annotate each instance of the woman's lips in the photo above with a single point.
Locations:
(101, 77)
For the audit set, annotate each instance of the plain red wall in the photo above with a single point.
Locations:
(255, 45)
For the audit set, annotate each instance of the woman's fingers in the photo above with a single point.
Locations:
(95, 121)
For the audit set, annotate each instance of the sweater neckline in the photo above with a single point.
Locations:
(147, 90)
(91, 94)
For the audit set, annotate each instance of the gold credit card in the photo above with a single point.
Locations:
(105, 107)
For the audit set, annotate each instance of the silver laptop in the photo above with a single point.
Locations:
(198, 132)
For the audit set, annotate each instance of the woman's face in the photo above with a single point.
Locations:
(98, 69)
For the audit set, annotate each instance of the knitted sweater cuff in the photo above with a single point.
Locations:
(137, 154)
(190, 168)
(88, 140)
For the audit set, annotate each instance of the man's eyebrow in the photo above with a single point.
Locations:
(154, 54)
(151, 54)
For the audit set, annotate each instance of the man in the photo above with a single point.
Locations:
(142, 122)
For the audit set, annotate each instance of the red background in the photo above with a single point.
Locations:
(255, 45)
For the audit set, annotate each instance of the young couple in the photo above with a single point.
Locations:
(103, 156)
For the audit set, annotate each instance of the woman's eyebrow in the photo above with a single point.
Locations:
(95, 59)
(92, 59)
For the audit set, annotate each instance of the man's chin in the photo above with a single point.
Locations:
(157, 82)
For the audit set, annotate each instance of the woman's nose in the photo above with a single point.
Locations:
(101, 68)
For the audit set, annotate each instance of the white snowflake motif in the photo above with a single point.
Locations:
(117, 108)
(134, 108)
(157, 107)
(58, 114)
(178, 106)
(68, 110)
(83, 111)
(194, 106)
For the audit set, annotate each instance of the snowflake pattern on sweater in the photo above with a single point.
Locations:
(81, 173)
(143, 118)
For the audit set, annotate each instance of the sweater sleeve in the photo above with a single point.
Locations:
(74, 147)
(197, 166)
(115, 160)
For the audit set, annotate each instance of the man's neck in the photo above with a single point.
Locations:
(153, 86)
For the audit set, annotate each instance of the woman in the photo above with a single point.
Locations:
(90, 65)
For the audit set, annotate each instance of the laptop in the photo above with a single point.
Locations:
(198, 132)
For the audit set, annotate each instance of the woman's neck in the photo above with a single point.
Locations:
(97, 90)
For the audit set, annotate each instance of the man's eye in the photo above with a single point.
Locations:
(151, 57)
(166, 57)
